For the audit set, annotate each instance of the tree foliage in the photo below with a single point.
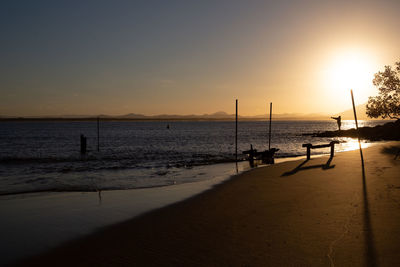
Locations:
(387, 103)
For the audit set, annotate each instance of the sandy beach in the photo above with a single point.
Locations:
(343, 211)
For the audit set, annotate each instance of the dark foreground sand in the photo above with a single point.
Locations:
(314, 213)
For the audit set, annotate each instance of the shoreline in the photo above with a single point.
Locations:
(66, 216)
(241, 164)
(88, 209)
(183, 233)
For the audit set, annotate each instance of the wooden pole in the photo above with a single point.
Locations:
(98, 134)
(358, 133)
(83, 144)
(236, 131)
(354, 110)
(270, 119)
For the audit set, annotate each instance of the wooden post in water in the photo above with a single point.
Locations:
(98, 134)
(83, 144)
(236, 131)
(270, 119)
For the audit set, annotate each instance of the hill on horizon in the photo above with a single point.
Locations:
(219, 115)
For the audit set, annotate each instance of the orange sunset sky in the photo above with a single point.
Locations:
(192, 57)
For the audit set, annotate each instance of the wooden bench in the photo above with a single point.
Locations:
(310, 146)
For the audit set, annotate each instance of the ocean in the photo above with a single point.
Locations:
(45, 156)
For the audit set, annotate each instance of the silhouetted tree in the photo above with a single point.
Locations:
(387, 103)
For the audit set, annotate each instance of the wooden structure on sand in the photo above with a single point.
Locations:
(266, 156)
(310, 146)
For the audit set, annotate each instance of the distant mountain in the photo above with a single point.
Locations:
(219, 115)
(131, 116)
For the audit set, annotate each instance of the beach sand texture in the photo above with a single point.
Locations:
(299, 213)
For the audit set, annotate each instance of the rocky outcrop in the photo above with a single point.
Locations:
(388, 131)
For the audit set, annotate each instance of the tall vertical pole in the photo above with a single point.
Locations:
(98, 134)
(355, 118)
(354, 109)
(236, 130)
(270, 119)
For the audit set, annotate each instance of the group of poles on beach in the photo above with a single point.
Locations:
(270, 152)
(268, 155)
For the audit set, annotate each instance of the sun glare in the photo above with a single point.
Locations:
(347, 71)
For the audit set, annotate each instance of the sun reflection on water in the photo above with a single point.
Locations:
(347, 144)
(349, 124)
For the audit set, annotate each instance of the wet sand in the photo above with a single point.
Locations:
(321, 212)
(37, 222)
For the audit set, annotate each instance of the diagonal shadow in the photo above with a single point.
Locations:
(325, 166)
(370, 252)
(392, 150)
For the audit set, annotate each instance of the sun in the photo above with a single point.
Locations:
(350, 70)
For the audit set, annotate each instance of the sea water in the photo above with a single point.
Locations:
(45, 156)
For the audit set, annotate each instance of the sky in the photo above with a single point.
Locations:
(192, 57)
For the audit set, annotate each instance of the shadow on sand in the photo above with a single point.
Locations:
(325, 166)
(392, 150)
(370, 251)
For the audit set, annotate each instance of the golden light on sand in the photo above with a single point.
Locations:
(350, 70)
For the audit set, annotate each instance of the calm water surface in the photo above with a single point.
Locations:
(44, 156)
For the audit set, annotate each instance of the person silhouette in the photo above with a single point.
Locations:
(338, 120)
